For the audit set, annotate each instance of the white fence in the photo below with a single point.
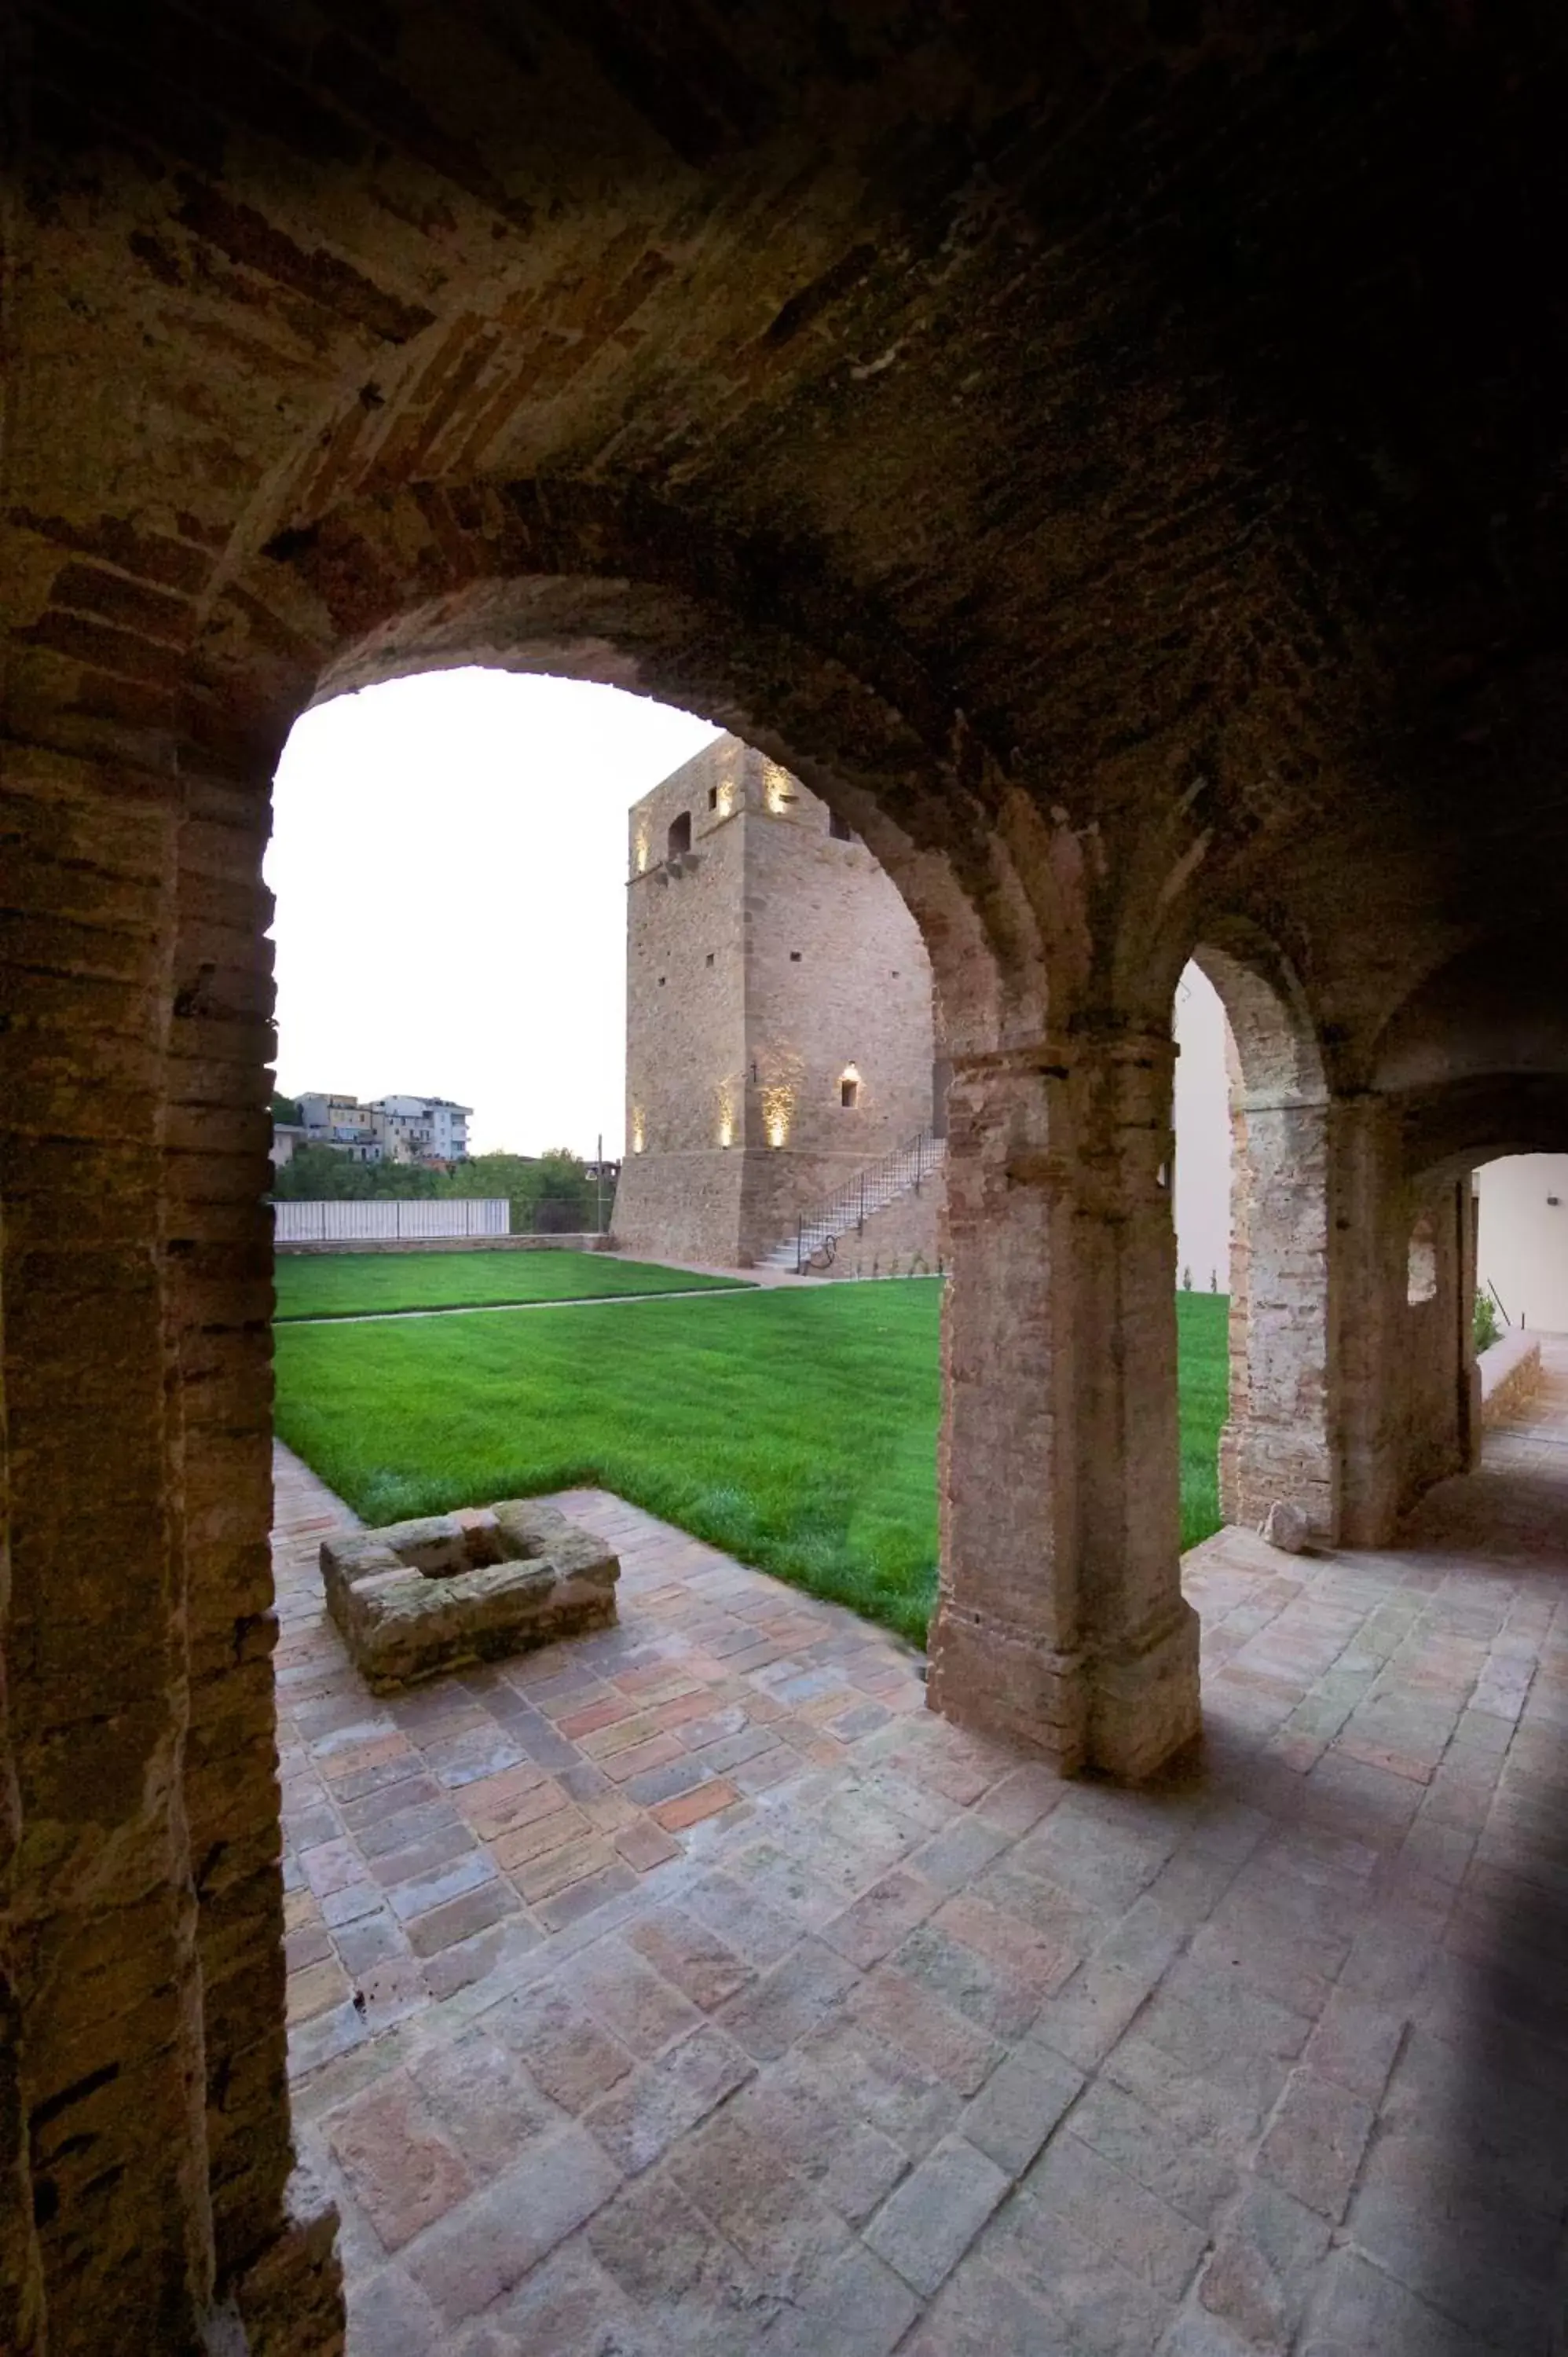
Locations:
(390, 1219)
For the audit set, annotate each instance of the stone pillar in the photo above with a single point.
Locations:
(1143, 1635)
(1468, 1214)
(141, 1967)
(1439, 1388)
(1276, 1443)
(21, 2276)
(217, 1134)
(1061, 1621)
(1367, 1271)
(101, 1909)
(1007, 1646)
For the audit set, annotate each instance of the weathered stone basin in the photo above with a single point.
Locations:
(416, 1598)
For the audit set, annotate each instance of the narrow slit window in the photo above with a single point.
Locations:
(849, 1086)
(840, 828)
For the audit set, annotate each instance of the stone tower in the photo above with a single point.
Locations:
(780, 1021)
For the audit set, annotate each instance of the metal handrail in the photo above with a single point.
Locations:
(852, 1204)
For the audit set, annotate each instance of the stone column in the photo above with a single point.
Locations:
(1467, 1221)
(1439, 1387)
(1276, 1444)
(102, 1910)
(217, 1130)
(1060, 1622)
(1007, 1643)
(1368, 1264)
(21, 2275)
(140, 1966)
(1142, 1634)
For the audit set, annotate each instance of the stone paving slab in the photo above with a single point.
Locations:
(692, 1990)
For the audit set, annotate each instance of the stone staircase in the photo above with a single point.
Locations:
(815, 1238)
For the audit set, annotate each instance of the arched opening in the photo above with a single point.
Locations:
(733, 1046)
(1201, 1128)
(1276, 1444)
(335, 1398)
(378, 611)
(1421, 1268)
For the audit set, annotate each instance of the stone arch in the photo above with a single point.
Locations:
(592, 589)
(612, 586)
(1450, 1132)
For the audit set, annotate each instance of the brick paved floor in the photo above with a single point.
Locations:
(713, 1996)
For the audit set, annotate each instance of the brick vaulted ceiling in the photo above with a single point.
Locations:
(1161, 405)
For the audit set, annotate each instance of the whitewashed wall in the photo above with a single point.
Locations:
(1522, 1249)
(390, 1219)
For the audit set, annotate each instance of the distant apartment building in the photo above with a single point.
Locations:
(420, 1129)
(385, 1129)
(288, 1136)
(340, 1122)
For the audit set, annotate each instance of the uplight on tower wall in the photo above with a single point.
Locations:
(777, 1111)
(778, 788)
(642, 855)
(726, 1116)
(637, 1132)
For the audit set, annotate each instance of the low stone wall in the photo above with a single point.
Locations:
(590, 1241)
(1510, 1374)
(911, 1227)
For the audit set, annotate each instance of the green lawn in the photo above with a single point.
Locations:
(798, 1430)
(1203, 1373)
(349, 1285)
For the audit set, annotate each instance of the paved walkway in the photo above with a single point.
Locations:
(732, 1292)
(691, 1991)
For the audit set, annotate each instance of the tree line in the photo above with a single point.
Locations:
(549, 1193)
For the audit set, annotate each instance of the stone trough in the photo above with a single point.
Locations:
(416, 1598)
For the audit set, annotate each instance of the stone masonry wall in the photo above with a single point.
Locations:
(760, 967)
(679, 1189)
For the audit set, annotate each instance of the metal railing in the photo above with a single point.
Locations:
(871, 1190)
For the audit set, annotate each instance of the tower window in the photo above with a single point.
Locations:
(794, 957)
(710, 958)
(840, 828)
(712, 797)
(680, 838)
(849, 1085)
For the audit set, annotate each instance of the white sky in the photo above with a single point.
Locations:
(1202, 1135)
(449, 860)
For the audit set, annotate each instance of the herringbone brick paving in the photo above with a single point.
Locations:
(693, 1991)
